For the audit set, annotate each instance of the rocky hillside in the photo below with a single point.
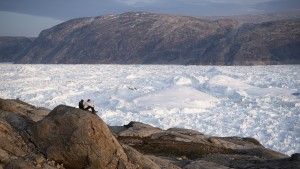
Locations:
(67, 137)
(259, 17)
(11, 48)
(147, 38)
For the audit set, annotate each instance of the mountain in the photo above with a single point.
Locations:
(275, 42)
(11, 47)
(259, 17)
(148, 38)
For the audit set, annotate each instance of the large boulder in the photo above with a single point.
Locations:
(77, 138)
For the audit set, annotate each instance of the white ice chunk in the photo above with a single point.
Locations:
(230, 86)
(177, 97)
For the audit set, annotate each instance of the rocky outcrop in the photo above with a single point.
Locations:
(23, 109)
(68, 137)
(15, 151)
(11, 48)
(65, 138)
(259, 17)
(76, 138)
(189, 149)
(189, 143)
(147, 38)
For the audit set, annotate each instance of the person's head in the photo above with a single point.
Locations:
(81, 100)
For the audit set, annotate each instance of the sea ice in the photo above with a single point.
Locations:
(176, 97)
(247, 101)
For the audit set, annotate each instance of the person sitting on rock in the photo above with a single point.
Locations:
(80, 105)
(88, 105)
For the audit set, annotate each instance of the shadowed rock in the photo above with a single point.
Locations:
(11, 48)
(282, 163)
(139, 159)
(166, 163)
(204, 165)
(12, 145)
(193, 144)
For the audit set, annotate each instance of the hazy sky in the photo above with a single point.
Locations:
(29, 17)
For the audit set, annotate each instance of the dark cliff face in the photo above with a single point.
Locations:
(11, 47)
(276, 42)
(145, 38)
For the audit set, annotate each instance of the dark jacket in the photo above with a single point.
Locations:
(81, 104)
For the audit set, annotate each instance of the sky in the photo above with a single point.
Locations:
(28, 18)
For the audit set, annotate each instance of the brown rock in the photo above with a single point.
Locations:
(38, 113)
(127, 165)
(39, 160)
(35, 161)
(139, 129)
(139, 159)
(165, 163)
(204, 165)
(76, 138)
(20, 164)
(23, 109)
(6, 105)
(192, 144)
(12, 145)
